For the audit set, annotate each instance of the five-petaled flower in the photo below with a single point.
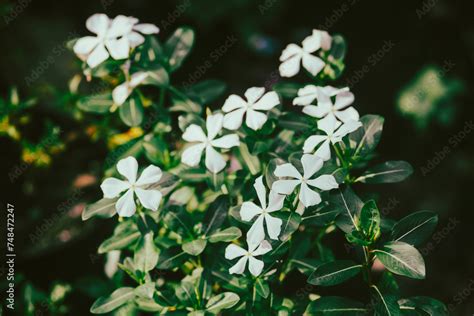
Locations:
(325, 107)
(121, 92)
(311, 164)
(149, 198)
(257, 100)
(194, 134)
(114, 38)
(249, 210)
(293, 55)
(255, 265)
(334, 130)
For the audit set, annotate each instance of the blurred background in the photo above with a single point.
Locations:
(409, 61)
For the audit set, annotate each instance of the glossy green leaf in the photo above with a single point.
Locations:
(424, 305)
(349, 204)
(100, 103)
(335, 272)
(178, 46)
(222, 301)
(291, 222)
(369, 220)
(226, 235)
(387, 172)
(336, 306)
(195, 247)
(262, 288)
(216, 214)
(415, 228)
(108, 303)
(402, 258)
(122, 238)
(156, 76)
(287, 89)
(206, 91)
(103, 208)
(365, 139)
(384, 304)
(131, 112)
(146, 253)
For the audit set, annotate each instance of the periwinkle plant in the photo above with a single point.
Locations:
(257, 165)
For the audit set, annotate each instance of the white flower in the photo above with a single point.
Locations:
(123, 91)
(309, 93)
(236, 108)
(114, 38)
(255, 265)
(128, 167)
(194, 133)
(325, 107)
(249, 210)
(334, 130)
(311, 165)
(293, 55)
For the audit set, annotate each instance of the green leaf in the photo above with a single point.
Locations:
(118, 298)
(287, 89)
(335, 272)
(365, 139)
(103, 208)
(195, 247)
(131, 112)
(336, 306)
(357, 237)
(99, 103)
(145, 290)
(415, 228)
(178, 46)
(349, 205)
(384, 304)
(402, 258)
(222, 301)
(369, 220)
(226, 235)
(206, 91)
(182, 103)
(387, 172)
(146, 253)
(122, 238)
(424, 305)
(262, 288)
(291, 222)
(252, 163)
(216, 214)
(148, 304)
(156, 76)
(171, 259)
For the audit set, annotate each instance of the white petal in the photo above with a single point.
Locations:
(121, 93)
(261, 191)
(192, 155)
(125, 206)
(233, 120)
(325, 182)
(249, 210)
(98, 55)
(332, 91)
(214, 161)
(150, 199)
(262, 249)
(146, 28)
(137, 78)
(317, 111)
(306, 95)
(324, 151)
(290, 51)
(151, 174)
(275, 202)
(256, 234)
(255, 266)
(273, 226)
(285, 186)
(253, 94)
(349, 114)
(267, 102)
(233, 251)
(308, 197)
(120, 26)
(328, 124)
(112, 187)
(98, 23)
(255, 119)
(290, 67)
(347, 128)
(85, 45)
(239, 267)
(194, 133)
(326, 39)
(233, 102)
(343, 99)
(311, 142)
(118, 49)
(313, 64)
(312, 43)
(226, 141)
(128, 168)
(287, 170)
(214, 125)
(135, 39)
(311, 164)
